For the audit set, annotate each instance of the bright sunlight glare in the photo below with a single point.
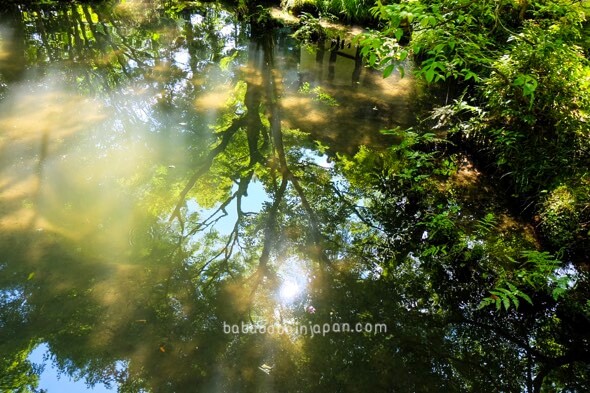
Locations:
(289, 291)
(294, 276)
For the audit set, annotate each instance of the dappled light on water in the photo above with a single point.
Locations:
(176, 172)
(59, 156)
(193, 200)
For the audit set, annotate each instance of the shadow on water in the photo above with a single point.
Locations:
(134, 139)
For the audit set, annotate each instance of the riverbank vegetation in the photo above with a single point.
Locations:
(519, 83)
(511, 83)
(511, 86)
(515, 78)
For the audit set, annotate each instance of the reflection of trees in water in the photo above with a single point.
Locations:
(158, 304)
(155, 295)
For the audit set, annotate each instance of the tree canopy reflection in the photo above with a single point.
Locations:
(126, 244)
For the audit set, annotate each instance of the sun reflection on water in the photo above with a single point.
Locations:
(294, 276)
(289, 291)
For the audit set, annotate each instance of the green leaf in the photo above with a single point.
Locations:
(515, 301)
(512, 297)
(401, 71)
(100, 28)
(388, 70)
(525, 297)
(469, 75)
(484, 303)
(225, 62)
(439, 48)
(558, 292)
(372, 59)
(429, 74)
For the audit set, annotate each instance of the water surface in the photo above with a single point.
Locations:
(164, 172)
(168, 172)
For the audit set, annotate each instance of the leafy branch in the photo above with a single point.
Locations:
(540, 271)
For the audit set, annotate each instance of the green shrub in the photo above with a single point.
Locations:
(560, 216)
(299, 7)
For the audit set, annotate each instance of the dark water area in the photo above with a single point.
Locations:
(195, 203)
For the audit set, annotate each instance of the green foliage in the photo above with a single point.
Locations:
(17, 373)
(300, 7)
(537, 271)
(505, 297)
(319, 94)
(439, 257)
(542, 271)
(526, 105)
(311, 29)
(356, 11)
(528, 85)
(560, 216)
(486, 224)
(349, 10)
(537, 268)
(225, 62)
(446, 37)
(549, 122)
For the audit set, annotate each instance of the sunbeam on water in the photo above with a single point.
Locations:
(289, 291)
(294, 279)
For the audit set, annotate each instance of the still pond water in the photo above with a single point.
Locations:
(166, 174)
